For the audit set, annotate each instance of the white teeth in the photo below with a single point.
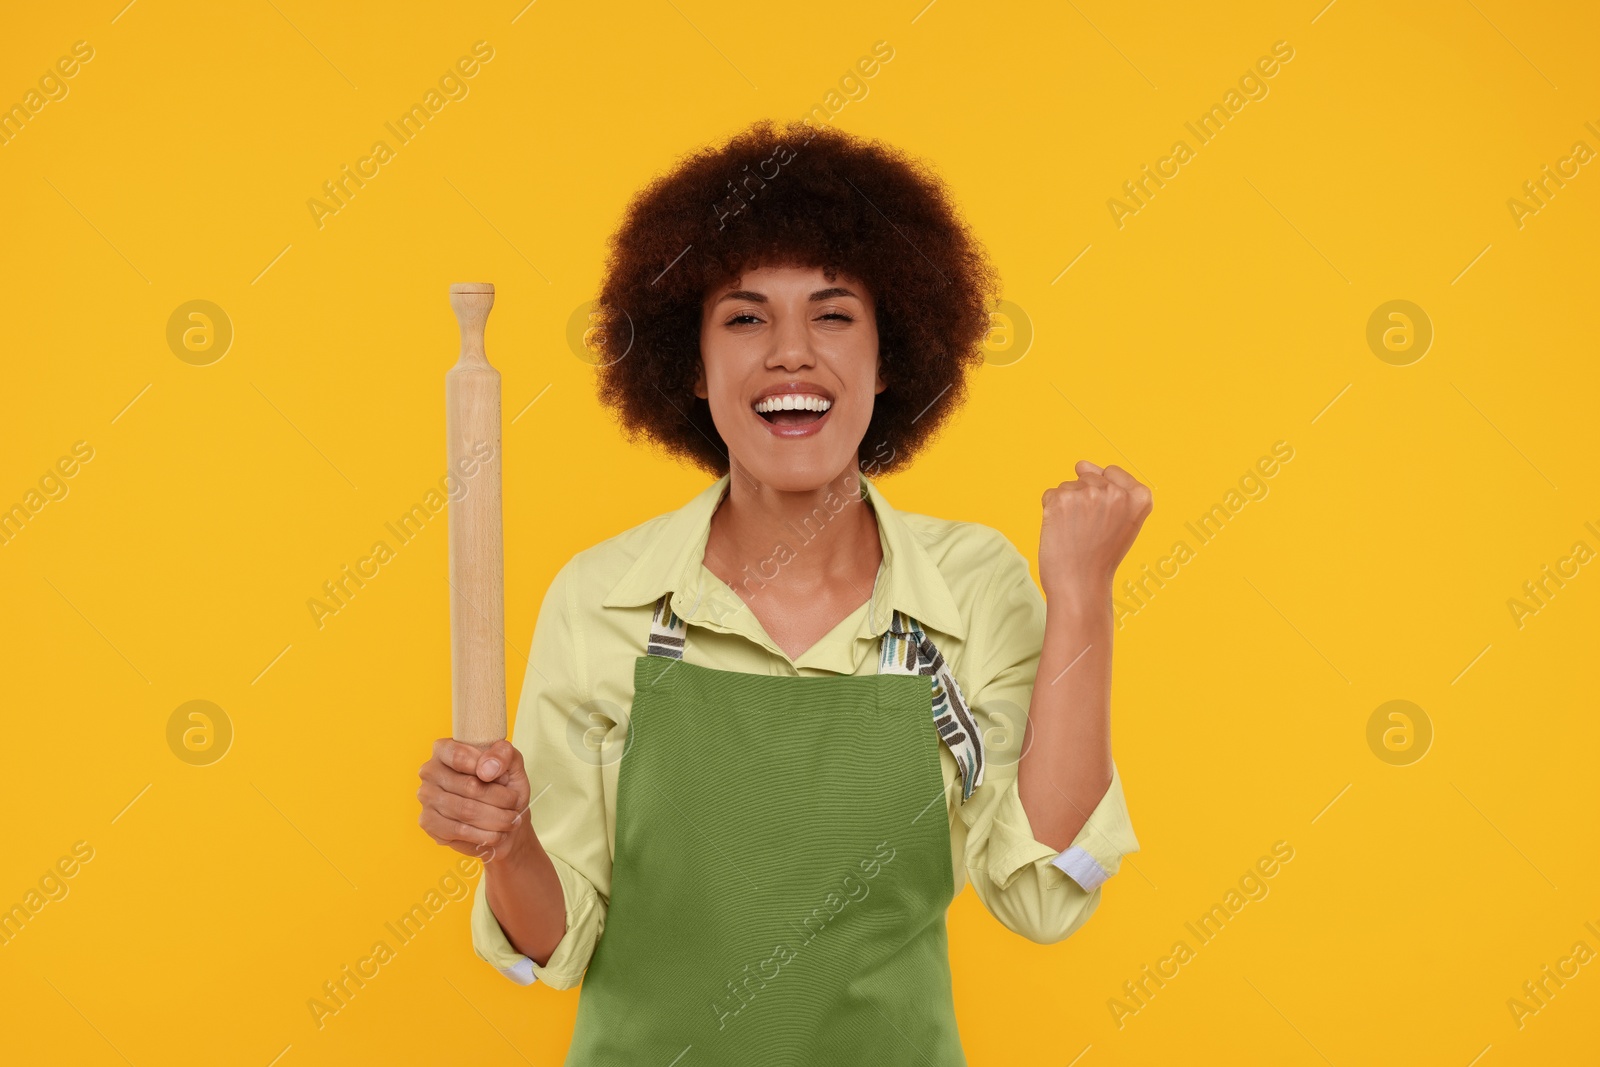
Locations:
(792, 402)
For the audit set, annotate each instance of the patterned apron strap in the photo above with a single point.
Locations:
(908, 650)
(667, 631)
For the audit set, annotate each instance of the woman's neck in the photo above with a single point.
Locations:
(820, 544)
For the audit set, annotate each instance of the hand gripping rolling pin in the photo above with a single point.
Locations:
(477, 572)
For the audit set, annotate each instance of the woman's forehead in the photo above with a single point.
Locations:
(759, 282)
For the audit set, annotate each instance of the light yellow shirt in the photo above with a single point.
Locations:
(974, 595)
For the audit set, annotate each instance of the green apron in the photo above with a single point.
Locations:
(781, 873)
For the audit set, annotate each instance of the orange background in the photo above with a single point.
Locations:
(1228, 313)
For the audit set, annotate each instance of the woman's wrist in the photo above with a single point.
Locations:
(1078, 596)
(515, 858)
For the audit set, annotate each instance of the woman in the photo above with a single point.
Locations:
(741, 716)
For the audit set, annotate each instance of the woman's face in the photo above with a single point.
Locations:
(789, 364)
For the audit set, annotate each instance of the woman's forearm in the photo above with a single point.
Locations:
(1067, 768)
(525, 896)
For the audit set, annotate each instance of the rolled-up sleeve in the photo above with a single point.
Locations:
(1035, 890)
(567, 812)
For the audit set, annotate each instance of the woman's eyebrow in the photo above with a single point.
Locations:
(761, 298)
(743, 294)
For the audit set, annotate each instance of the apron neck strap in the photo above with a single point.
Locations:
(905, 649)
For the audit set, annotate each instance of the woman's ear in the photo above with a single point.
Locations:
(882, 384)
(700, 380)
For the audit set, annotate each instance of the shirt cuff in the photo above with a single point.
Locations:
(1093, 857)
(1081, 868)
(564, 968)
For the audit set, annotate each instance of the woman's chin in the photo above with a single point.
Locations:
(794, 467)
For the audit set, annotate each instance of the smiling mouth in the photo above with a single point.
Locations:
(792, 410)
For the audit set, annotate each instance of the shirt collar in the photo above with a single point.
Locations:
(673, 561)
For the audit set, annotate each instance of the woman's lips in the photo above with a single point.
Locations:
(798, 429)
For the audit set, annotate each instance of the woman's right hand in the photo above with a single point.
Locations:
(476, 800)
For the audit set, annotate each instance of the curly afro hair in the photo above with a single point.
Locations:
(796, 195)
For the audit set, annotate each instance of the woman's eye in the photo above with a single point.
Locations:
(748, 317)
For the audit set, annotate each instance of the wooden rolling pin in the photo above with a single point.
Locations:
(477, 562)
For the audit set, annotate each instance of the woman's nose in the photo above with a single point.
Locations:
(792, 344)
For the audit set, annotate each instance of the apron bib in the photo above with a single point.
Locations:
(781, 874)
